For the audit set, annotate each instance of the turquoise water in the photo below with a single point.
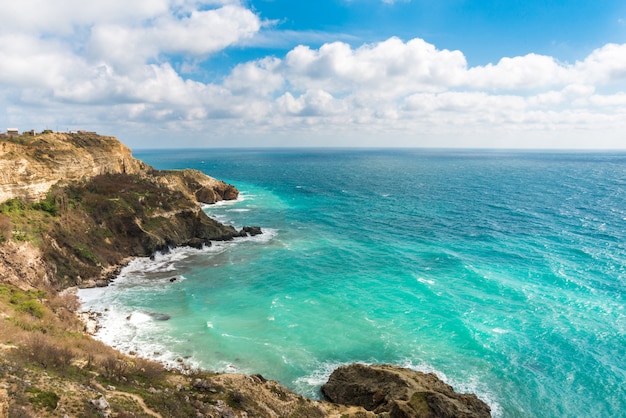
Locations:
(503, 272)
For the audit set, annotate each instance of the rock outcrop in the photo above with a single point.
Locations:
(29, 168)
(198, 185)
(395, 392)
(22, 265)
(89, 205)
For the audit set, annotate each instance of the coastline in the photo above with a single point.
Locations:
(88, 234)
(158, 270)
(164, 265)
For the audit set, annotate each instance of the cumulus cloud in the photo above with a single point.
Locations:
(198, 34)
(110, 51)
(112, 63)
(391, 66)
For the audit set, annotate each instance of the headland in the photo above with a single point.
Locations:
(74, 208)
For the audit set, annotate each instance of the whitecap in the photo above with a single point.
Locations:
(267, 235)
(139, 317)
(240, 198)
(309, 385)
(425, 281)
(231, 368)
(473, 385)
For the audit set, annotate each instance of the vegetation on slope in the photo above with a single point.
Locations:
(85, 227)
(79, 233)
(49, 368)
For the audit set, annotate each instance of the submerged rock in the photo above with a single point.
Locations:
(159, 316)
(396, 392)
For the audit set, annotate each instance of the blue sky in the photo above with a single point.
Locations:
(484, 30)
(407, 73)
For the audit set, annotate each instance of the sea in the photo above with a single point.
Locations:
(503, 272)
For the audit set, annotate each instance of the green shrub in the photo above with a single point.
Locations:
(46, 206)
(84, 252)
(48, 400)
(32, 307)
(12, 206)
(27, 301)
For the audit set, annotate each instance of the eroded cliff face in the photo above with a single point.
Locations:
(30, 167)
(84, 204)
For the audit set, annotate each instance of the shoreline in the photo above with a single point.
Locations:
(93, 320)
(82, 227)
(162, 264)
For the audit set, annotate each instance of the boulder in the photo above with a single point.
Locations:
(396, 392)
(251, 230)
(100, 404)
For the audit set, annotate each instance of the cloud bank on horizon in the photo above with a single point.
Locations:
(201, 73)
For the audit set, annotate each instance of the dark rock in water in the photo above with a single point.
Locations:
(173, 279)
(159, 316)
(196, 243)
(252, 230)
(397, 392)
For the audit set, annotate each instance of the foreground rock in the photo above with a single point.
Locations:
(395, 392)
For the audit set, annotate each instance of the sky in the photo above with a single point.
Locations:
(327, 73)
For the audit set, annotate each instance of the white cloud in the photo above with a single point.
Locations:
(527, 72)
(390, 66)
(44, 16)
(262, 77)
(311, 103)
(604, 65)
(198, 34)
(107, 66)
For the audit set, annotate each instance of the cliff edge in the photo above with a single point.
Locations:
(30, 166)
(73, 209)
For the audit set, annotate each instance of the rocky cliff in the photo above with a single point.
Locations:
(31, 165)
(78, 205)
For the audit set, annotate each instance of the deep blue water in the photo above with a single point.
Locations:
(504, 272)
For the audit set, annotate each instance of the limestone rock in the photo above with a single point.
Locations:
(4, 403)
(199, 186)
(100, 404)
(107, 207)
(395, 392)
(28, 170)
(23, 265)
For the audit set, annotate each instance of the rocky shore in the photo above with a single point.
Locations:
(391, 391)
(76, 207)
